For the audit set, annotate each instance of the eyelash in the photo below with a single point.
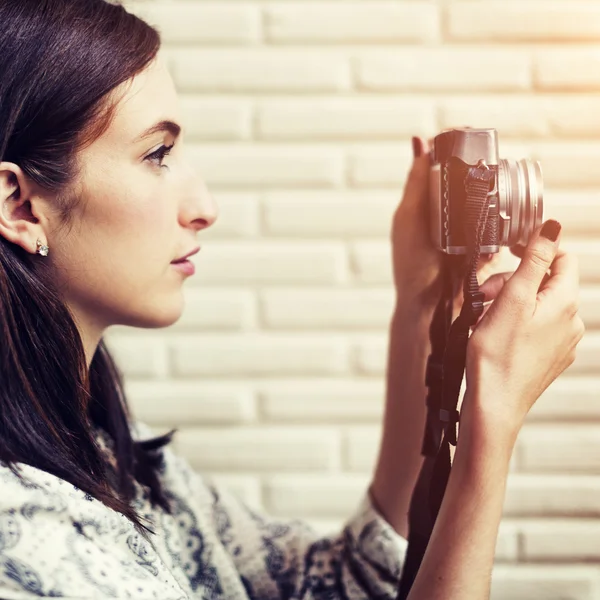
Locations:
(160, 155)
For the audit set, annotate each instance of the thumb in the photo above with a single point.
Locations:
(538, 255)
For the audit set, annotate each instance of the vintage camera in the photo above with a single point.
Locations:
(516, 203)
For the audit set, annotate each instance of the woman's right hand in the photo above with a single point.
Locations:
(529, 334)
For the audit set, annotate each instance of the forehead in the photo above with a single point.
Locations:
(144, 100)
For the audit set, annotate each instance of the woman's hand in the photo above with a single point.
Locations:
(417, 264)
(528, 336)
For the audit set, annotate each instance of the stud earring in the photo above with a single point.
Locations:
(42, 249)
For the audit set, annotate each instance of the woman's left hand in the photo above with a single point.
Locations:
(417, 264)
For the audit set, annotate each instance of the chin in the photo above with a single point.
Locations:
(159, 315)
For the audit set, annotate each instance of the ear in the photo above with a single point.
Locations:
(21, 210)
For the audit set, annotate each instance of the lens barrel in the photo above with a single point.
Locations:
(520, 200)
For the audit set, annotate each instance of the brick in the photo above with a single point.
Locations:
(215, 119)
(361, 447)
(454, 68)
(567, 69)
(342, 22)
(249, 165)
(281, 262)
(260, 449)
(327, 308)
(344, 118)
(258, 354)
(205, 23)
(329, 213)
(259, 70)
(380, 165)
(558, 582)
(589, 306)
(568, 399)
(569, 164)
(182, 403)
(322, 400)
(552, 495)
(316, 495)
(588, 350)
(517, 21)
(507, 543)
(588, 255)
(371, 354)
(138, 354)
(216, 309)
(570, 116)
(577, 210)
(565, 540)
(513, 116)
(558, 448)
(238, 216)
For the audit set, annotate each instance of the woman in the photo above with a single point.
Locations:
(94, 209)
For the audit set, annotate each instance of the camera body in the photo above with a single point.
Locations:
(516, 198)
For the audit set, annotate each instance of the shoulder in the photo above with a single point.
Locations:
(176, 472)
(40, 500)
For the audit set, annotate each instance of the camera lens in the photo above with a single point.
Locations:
(520, 200)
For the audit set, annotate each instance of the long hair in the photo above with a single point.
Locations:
(60, 62)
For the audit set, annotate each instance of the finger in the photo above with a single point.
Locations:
(518, 250)
(416, 189)
(493, 285)
(563, 279)
(418, 146)
(537, 259)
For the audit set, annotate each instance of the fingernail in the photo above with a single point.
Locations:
(551, 229)
(417, 149)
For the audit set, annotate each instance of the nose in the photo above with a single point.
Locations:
(201, 211)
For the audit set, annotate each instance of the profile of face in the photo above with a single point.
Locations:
(137, 212)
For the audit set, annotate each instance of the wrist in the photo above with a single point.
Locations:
(484, 430)
(412, 309)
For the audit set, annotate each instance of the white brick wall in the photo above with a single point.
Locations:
(299, 115)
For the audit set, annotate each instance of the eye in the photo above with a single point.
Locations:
(160, 154)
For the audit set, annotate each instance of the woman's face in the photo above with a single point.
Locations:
(137, 213)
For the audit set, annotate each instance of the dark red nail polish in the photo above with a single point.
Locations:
(417, 148)
(551, 229)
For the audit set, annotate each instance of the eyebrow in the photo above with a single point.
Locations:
(173, 128)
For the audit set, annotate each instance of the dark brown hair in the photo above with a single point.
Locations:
(61, 61)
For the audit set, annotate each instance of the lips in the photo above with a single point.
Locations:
(184, 258)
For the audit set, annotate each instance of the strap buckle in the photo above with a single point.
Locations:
(450, 418)
(474, 306)
(483, 173)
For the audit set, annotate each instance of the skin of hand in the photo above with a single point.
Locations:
(528, 336)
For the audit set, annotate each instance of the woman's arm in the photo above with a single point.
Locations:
(458, 562)
(400, 458)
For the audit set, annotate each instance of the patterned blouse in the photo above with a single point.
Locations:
(57, 541)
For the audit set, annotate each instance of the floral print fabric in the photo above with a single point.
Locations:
(57, 541)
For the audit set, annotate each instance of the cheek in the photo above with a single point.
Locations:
(123, 246)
